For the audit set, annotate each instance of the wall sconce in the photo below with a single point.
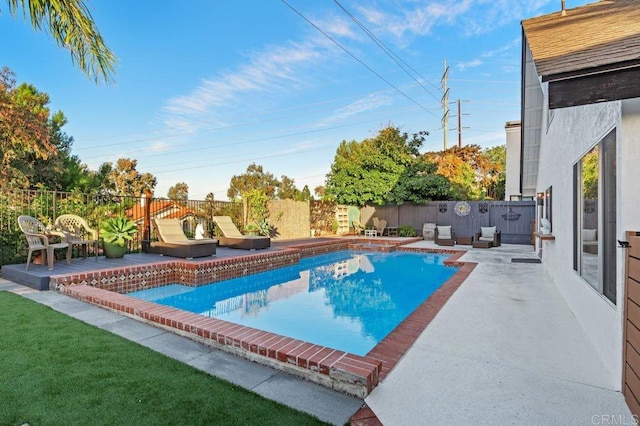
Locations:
(540, 198)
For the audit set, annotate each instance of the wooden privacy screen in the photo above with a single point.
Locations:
(631, 365)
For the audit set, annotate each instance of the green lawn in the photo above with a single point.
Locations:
(55, 370)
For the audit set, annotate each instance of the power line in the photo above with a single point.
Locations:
(255, 140)
(390, 53)
(356, 58)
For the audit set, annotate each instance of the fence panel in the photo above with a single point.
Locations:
(512, 218)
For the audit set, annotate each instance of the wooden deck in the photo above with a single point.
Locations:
(37, 276)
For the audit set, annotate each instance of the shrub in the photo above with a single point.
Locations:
(406, 231)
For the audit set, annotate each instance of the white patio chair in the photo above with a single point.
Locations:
(38, 239)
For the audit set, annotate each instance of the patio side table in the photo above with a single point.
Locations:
(465, 241)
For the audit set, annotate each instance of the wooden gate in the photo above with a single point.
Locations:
(631, 365)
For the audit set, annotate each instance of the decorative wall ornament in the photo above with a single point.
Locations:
(462, 208)
(589, 206)
(511, 215)
(483, 207)
(442, 207)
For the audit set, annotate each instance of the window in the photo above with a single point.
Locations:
(595, 217)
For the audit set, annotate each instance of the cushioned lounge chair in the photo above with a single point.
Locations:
(233, 238)
(38, 240)
(174, 243)
(444, 236)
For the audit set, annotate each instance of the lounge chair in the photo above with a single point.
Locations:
(444, 236)
(77, 232)
(38, 239)
(487, 237)
(174, 243)
(233, 238)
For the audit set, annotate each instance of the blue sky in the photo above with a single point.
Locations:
(204, 88)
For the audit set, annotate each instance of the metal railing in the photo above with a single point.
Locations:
(46, 206)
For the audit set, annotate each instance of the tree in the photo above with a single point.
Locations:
(254, 178)
(72, 27)
(287, 189)
(368, 171)
(24, 130)
(460, 174)
(305, 194)
(126, 180)
(496, 177)
(419, 184)
(319, 192)
(474, 173)
(179, 192)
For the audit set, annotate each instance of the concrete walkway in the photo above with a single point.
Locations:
(505, 349)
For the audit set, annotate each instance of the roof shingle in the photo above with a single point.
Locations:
(595, 35)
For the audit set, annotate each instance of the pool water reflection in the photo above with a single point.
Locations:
(345, 300)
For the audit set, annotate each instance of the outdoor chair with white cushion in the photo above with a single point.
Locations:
(444, 236)
(38, 240)
(173, 242)
(233, 238)
(77, 232)
(488, 237)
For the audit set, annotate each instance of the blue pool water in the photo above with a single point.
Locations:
(345, 300)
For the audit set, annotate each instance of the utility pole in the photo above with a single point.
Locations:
(445, 104)
(460, 114)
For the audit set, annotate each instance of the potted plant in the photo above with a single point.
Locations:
(251, 229)
(115, 233)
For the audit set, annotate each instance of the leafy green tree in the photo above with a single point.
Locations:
(287, 189)
(71, 25)
(62, 171)
(124, 179)
(496, 176)
(179, 192)
(419, 184)
(24, 130)
(305, 194)
(590, 174)
(368, 171)
(254, 178)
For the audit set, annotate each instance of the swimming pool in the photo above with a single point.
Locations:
(345, 300)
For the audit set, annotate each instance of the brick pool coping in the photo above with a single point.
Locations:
(342, 371)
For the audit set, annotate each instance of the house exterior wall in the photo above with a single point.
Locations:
(571, 133)
(514, 148)
(532, 106)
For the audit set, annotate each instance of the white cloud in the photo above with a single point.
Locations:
(469, 64)
(368, 103)
(271, 70)
(469, 17)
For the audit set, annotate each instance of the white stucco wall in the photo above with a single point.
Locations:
(514, 149)
(571, 133)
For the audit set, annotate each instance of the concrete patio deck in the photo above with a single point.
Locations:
(505, 349)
